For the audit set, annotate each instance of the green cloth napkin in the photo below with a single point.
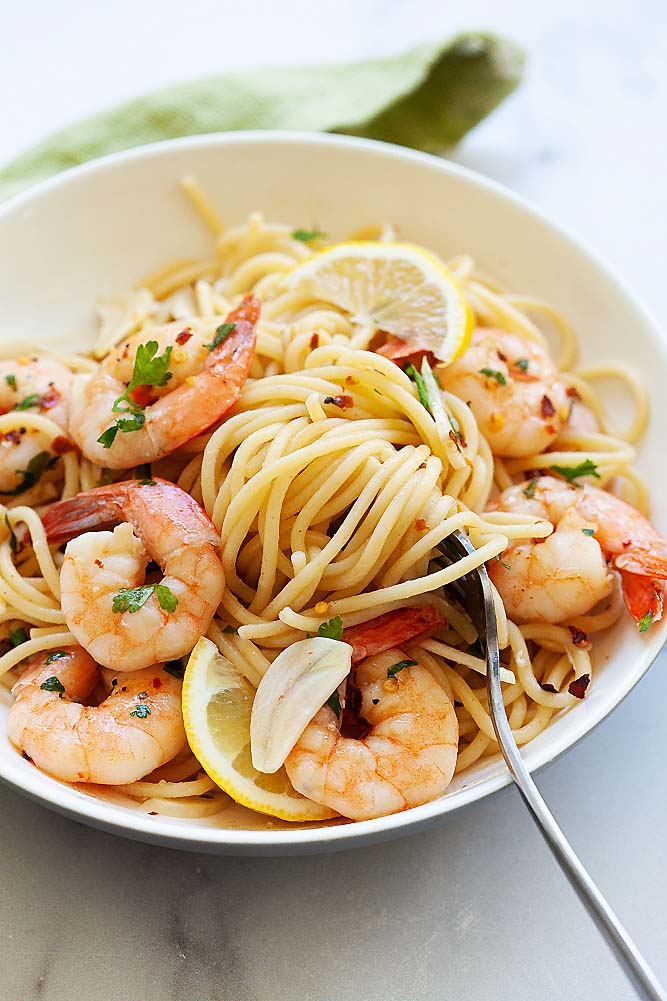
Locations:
(427, 98)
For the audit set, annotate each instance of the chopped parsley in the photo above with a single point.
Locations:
(645, 622)
(571, 473)
(334, 703)
(53, 685)
(18, 636)
(174, 668)
(223, 331)
(140, 711)
(131, 599)
(418, 379)
(331, 630)
(588, 531)
(493, 373)
(306, 235)
(529, 491)
(11, 381)
(150, 369)
(395, 668)
(521, 364)
(28, 402)
(56, 655)
(38, 465)
(231, 631)
(13, 542)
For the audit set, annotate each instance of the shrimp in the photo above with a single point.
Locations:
(120, 429)
(566, 574)
(117, 617)
(513, 389)
(37, 384)
(138, 726)
(386, 631)
(406, 758)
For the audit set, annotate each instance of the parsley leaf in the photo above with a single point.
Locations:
(571, 473)
(18, 636)
(53, 685)
(493, 373)
(223, 331)
(588, 531)
(56, 655)
(141, 711)
(38, 465)
(28, 402)
(106, 439)
(529, 491)
(645, 622)
(418, 379)
(166, 600)
(150, 369)
(332, 630)
(13, 542)
(334, 703)
(231, 631)
(306, 235)
(174, 668)
(11, 381)
(522, 364)
(395, 668)
(131, 599)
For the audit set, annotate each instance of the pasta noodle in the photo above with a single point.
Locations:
(328, 514)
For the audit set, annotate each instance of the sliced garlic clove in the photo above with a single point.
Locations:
(295, 687)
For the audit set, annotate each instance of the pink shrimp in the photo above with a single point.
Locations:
(137, 728)
(121, 430)
(114, 614)
(565, 575)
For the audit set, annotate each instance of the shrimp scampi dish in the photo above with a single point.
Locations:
(220, 588)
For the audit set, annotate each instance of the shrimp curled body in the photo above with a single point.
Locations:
(204, 382)
(514, 390)
(406, 758)
(136, 728)
(155, 520)
(566, 574)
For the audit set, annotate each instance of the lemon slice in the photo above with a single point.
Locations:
(396, 287)
(217, 702)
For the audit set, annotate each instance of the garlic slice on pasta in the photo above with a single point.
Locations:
(295, 687)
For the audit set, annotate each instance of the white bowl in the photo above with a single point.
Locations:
(97, 228)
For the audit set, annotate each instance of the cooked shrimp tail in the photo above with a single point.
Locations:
(391, 630)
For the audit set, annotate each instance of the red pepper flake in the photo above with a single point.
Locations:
(13, 436)
(98, 563)
(62, 444)
(314, 342)
(579, 685)
(126, 351)
(351, 381)
(420, 525)
(26, 756)
(157, 683)
(579, 637)
(152, 813)
(343, 402)
(501, 355)
(547, 408)
(548, 687)
(142, 396)
(49, 399)
(572, 393)
(184, 336)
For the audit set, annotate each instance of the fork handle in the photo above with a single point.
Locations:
(636, 968)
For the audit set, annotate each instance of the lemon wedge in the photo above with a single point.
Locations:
(217, 704)
(395, 287)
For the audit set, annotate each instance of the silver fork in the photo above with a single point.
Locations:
(473, 592)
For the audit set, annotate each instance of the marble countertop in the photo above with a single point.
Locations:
(475, 909)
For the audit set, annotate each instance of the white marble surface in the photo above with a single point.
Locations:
(473, 910)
